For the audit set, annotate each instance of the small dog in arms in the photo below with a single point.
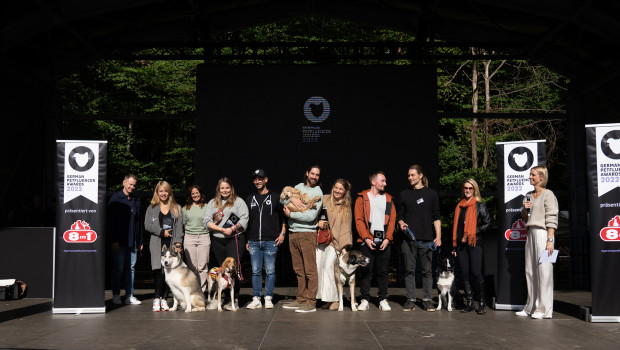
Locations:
(445, 281)
(182, 281)
(220, 279)
(344, 271)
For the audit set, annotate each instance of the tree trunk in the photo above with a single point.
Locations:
(474, 122)
(487, 109)
(129, 136)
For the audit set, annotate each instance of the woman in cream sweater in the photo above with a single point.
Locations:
(337, 205)
(540, 211)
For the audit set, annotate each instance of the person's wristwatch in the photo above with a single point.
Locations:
(550, 239)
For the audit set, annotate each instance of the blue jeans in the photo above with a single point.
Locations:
(263, 251)
(123, 261)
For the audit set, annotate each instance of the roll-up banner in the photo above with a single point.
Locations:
(79, 285)
(515, 159)
(603, 167)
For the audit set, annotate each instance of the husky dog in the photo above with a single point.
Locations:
(344, 272)
(182, 281)
(445, 281)
(220, 279)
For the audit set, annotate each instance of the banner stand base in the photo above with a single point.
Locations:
(79, 310)
(509, 307)
(601, 319)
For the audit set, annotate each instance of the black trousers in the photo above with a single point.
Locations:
(470, 263)
(223, 248)
(378, 265)
(161, 287)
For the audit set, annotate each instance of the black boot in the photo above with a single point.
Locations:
(482, 303)
(469, 297)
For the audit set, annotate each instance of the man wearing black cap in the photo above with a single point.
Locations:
(266, 232)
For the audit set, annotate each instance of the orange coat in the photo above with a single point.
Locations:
(362, 217)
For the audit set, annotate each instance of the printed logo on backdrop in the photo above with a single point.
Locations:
(518, 232)
(80, 232)
(81, 176)
(518, 161)
(611, 233)
(316, 110)
(608, 158)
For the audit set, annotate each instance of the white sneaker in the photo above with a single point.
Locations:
(255, 304)
(156, 306)
(268, 302)
(116, 299)
(522, 313)
(363, 306)
(384, 306)
(164, 305)
(536, 315)
(132, 300)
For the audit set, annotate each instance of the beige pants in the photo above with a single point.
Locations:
(539, 276)
(197, 249)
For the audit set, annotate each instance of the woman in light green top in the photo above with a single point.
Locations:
(197, 240)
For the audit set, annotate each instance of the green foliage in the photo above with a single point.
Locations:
(152, 149)
(164, 149)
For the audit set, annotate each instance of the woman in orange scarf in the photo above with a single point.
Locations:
(471, 220)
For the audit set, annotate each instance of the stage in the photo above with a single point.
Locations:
(30, 324)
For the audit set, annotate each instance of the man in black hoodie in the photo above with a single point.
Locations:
(266, 232)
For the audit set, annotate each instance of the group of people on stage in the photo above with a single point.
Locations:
(228, 225)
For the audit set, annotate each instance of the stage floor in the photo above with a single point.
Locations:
(30, 324)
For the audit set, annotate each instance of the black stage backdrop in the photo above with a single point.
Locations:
(79, 285)
(603, 164)
(351, 120)
(514, 161)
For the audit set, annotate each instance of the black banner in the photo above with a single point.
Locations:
(79, 285)
(603, 164)
(515, 159)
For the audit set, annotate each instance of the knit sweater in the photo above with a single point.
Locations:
(192, 220)
(239, 208)
(341, 228)
(308, 220)
(544, 211)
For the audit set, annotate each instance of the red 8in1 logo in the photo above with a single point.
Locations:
(611, 233)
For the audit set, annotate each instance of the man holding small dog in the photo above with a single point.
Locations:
(266, 232)
(302, 241)
(125, 232)
(375, 219)
(418, 211)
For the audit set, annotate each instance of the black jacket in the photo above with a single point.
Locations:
(482, 224)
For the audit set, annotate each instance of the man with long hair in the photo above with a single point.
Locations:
(302, 242)
(418, 212)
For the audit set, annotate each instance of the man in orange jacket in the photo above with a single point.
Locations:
(375, 219)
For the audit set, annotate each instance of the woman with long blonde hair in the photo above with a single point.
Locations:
(227, 237)
(164, 221)
(471, 220)
(540, 212)
(337, 206)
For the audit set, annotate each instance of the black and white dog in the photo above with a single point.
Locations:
(445, 281)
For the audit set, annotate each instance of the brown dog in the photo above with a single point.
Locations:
(220, 279)
(289, 192)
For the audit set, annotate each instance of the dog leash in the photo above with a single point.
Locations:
(429, 245)
(238, 260)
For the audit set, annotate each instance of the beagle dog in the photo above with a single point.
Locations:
(221, 278)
